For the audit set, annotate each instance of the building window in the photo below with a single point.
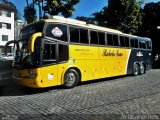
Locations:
(8, 14)
(8, 26)
(5, 25)
(5, 13)
(4, 37)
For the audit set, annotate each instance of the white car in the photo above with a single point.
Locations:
(8, 57)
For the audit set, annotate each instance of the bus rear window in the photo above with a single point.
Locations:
(57, 31)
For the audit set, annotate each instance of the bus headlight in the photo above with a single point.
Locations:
(31, 74)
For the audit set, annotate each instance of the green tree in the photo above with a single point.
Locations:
(151, 17)
(101, 18)
(89, 20)
(27, 2)
(30, 13)
(124, 15)
(150, 21)
(65, 7)
(39, 3)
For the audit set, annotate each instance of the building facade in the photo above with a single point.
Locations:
(19, 24)
(6, 26)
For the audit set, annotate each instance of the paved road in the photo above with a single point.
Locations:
(119, 98)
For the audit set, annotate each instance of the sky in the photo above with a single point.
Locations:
(83, 8)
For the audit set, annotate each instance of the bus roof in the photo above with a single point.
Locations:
(79, 23)
(59, 19)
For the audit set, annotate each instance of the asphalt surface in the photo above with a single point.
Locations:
(120, 98)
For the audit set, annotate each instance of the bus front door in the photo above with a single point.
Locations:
(49, 63)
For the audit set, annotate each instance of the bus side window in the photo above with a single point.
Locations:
(142, 44)
(122, 41)
(132, 42)
(49, 53)
(136, 43)
(101, 36)
(63, 52)
(74, 34)
(84, 36)
(127, 41)
(109, 39)
(148, 43)
(93, 37)
(57, 31)
(115, 40)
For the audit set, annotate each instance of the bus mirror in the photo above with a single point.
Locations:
(8, 43)
(32, 41)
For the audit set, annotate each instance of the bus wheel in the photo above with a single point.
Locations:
(142, 69)
(135, 69)
(71, 78)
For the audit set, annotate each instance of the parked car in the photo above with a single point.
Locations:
(1, 55)
(8, 57)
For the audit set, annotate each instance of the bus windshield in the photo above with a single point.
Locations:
(22, 57)
(29, 30)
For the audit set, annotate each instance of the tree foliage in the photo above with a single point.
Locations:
(101, 18)
(39, 3)
(65, 7)
(124, 15)
(151, 17)
(55, 7)
(30, 13)
(150, 21)
(89, 20)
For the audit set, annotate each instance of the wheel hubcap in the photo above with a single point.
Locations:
(70, 78)
(136, 70)
(142, 69)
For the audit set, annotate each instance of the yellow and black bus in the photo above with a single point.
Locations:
(60, 51)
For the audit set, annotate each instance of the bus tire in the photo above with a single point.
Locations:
(135, 69)
(142, 69)
(71, 78)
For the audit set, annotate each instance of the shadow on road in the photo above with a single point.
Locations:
(156, 66)
(9, 87)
